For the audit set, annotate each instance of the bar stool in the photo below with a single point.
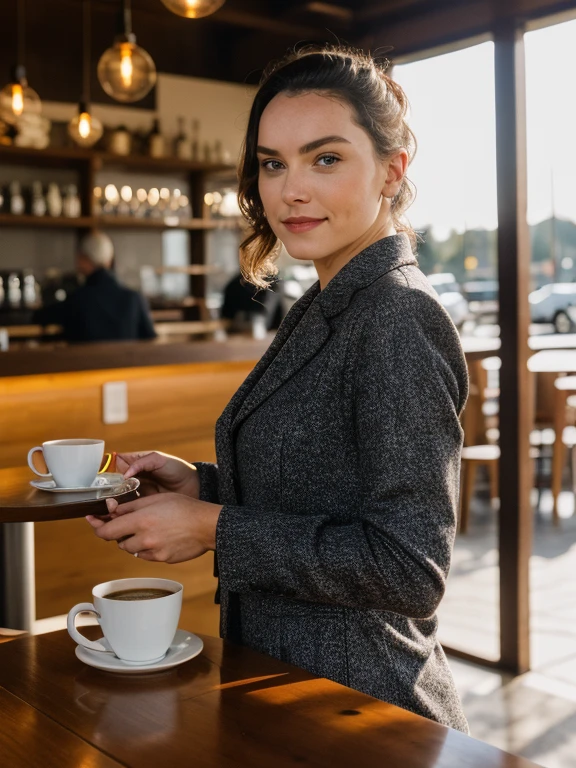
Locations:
(564, 389)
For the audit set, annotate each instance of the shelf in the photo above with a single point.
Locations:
(191, 269)
(53, 156)
(53, 222)
(111, 222)
(131, 222)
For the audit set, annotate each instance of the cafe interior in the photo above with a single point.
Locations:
(127, 118)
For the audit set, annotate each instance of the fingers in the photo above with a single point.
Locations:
(117, 510)
(142, 462)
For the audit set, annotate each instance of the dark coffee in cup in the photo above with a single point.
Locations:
(140, 593)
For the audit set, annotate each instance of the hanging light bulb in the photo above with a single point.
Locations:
(17, 98)
(125, 71)
(85, 129)
(193, 9)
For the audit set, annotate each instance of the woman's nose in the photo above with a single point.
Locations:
(295, 190)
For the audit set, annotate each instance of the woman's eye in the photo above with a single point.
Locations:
(271, 165)
(328, 160)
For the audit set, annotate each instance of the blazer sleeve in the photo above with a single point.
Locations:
(208, 476)
(410, 385)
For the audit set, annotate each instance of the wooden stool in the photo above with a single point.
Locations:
(563, 387)
(472, 456)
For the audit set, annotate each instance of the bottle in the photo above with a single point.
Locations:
(54, 200)
(156, 143)
(14, 291)
(30, 294)
(207, 152)
(182, 144)
(120, 141)
(195, 140)
(17, 205)
(38, 205)
(71, 202)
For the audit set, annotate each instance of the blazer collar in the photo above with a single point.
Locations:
(306, 329)
(370, 264)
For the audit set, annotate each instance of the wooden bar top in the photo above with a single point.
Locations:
(61, 358)
(230, 707)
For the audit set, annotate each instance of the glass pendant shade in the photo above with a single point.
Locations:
(17, 99)
(85, 129)
(193, 9)
(126, 72)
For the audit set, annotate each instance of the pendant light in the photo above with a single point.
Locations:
(84, 128)
(193, 9)
(17, 98)
(126, 71)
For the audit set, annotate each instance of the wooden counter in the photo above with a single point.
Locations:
(171, 407)
(51, 357)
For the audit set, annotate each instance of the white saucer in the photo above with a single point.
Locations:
(110, 483)
(185, 646)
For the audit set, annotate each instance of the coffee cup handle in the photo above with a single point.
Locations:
(76, 636)
(106, 462)
(31, 453)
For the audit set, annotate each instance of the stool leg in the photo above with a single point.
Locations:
(494, 484)
(558, 455)
(468, 479)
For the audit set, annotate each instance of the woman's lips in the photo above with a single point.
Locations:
(301, 224)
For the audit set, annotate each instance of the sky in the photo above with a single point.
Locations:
(452, 115)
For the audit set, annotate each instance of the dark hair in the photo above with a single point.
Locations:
(379, 106)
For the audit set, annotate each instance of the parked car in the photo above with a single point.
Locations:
(451, 297)
(482, 298)
(554, 303)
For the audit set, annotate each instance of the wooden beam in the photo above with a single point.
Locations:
(515, 519)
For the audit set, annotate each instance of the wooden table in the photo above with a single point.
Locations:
(21, 506)
(229, 707)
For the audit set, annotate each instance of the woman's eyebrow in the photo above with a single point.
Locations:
(304, 150)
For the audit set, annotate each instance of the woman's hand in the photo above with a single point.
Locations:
(160, 472)
(169, 528)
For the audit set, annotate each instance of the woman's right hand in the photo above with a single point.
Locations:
(160, 473)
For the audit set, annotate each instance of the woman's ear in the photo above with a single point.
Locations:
(397, 166)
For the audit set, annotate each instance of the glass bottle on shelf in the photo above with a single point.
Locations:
(71, 207)
(156, 143)
(54, 200)
(120, 141)
(14, 290)
(17, 204)
(38, 204)
(195, 140)
(30, 291)
(182, 143)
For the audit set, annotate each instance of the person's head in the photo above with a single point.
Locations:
(96, 251)
(350, 184)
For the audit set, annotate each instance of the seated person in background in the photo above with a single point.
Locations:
(245, 303)
(102, 309)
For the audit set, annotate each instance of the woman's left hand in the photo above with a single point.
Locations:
(167, 527)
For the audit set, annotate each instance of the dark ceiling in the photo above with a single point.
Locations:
(233, 44)
(237, 41)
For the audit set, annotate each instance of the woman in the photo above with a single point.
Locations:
(333, 506)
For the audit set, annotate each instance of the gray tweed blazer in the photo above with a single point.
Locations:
(338, 468)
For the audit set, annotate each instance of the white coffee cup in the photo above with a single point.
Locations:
(137, 631)
(71, 463)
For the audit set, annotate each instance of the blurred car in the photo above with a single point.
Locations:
(482, 296)
(554, 303)
(451, 297)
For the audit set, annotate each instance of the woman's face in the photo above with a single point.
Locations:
(322, 187)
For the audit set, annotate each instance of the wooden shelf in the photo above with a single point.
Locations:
(112, 222)
(131, 222)
(53, 222)
(52, 156)
(192, 269)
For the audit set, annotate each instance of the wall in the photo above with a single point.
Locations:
(221, 108)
